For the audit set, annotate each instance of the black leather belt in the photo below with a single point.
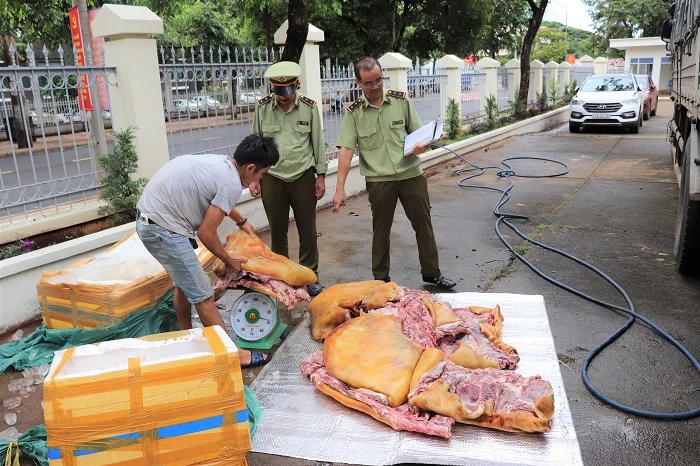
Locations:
(145, 219)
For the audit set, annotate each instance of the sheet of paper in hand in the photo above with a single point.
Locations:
(424, 135)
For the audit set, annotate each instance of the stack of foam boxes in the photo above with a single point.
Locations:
(104, 289)
(170, 399)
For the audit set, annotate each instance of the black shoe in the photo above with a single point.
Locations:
(385, 280)
(314, 289)
(441, 281)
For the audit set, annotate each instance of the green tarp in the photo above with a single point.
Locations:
(38, 347)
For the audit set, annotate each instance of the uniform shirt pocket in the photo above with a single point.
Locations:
(270, 130)
(398, 129)
(369, 138)
(302, 127)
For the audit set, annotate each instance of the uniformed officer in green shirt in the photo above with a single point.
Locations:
(298, 179)
(377, 123)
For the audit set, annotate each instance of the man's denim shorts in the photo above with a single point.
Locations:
(175, 254)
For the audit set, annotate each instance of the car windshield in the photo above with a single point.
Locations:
(643, 82)
(608, 84)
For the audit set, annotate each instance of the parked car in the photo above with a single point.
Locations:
(250, 97)
(207, 103)
(185, 106)
(607, 100)
(651, 94)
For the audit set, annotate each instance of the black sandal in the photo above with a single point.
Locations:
(441, 281)
(257, 359)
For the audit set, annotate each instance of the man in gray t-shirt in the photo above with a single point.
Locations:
(192, 194)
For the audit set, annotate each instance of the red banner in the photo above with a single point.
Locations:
(84, 101)
(97, 43)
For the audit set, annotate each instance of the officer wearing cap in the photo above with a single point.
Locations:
(298, 179)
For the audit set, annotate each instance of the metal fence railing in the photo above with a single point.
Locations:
(338, 90)
(426, 91)
(473, 98)
(47, 159)
(504, 82)
(579, 74)
(209, 96)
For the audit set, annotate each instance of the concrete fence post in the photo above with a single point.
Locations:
(136, 100)
(452, 65)
(586, 61)
(600, 65)
(396, 69)
(565, 68)
(553, 71)
(575, 73)
(536, 68)
(513, 67)
(310, 61)
(490, 69)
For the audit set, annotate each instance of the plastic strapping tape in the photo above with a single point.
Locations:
(61, 418)
(149, 446)
(225, 386)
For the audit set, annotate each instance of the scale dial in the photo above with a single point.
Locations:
(253, 316)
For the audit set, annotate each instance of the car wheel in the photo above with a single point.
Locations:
(653, 112)
(645, 115)
(574, 127)
(686, 246)
(635, 129)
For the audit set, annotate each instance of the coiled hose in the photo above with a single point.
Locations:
(503, 218)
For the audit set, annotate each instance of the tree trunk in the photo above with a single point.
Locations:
(297, 31)
(19, 128)
(533, 26)
(266, 21)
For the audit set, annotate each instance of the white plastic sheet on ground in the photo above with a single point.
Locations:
(301, 422)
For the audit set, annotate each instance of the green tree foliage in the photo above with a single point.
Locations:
(121, 193)
(550, 45)
(579, 41)
(506, 27)
(619, 19)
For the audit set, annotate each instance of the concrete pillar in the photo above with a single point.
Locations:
(565, 68)
(137, 99)
(586, 61)
(451, 64)
(537, 67)
(310, 61)
(600, 65)
(552, 68)
(576, 74)
(513, 67)
(396, 69)
(490, 68)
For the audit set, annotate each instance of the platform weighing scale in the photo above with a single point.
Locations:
(256, 321)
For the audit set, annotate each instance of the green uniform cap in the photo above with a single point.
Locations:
(284, 77)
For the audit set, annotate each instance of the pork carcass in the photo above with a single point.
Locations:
(264, 271)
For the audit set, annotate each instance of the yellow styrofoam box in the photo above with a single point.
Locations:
(170, 399)
(105, 288)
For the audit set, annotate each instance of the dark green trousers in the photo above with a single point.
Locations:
(277, 197)
(413, 194)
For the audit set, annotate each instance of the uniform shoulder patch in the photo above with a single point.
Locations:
(397, 94)
(353, 106)
(268, 98)
(307, 101)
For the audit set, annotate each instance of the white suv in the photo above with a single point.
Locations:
(607, 100)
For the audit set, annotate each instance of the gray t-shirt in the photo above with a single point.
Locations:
(179, 194)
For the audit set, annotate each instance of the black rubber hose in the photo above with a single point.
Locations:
(503, 218)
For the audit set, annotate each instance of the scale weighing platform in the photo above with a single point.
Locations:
(255, 319)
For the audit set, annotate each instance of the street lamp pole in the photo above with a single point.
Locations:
(566, 16)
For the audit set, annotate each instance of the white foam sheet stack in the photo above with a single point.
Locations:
(301, 422)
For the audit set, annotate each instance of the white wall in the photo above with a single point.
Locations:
(656, 53)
